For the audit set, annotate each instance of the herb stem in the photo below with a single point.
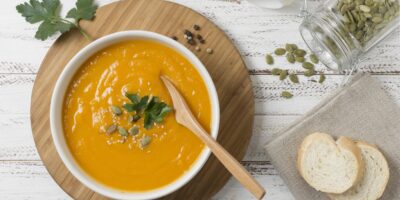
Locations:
(80, 29)
(84, 33)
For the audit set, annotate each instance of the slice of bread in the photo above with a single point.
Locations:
(329, 166)
(375, 179)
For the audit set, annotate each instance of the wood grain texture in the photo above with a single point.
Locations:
(224, 65)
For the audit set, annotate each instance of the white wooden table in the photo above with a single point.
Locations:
(255, 31)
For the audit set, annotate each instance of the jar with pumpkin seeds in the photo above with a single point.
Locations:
(340, 31)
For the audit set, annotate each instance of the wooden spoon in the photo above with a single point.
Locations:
(186, 118)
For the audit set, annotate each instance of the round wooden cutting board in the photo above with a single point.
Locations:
(225, 65)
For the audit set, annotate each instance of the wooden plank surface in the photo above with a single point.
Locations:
(254, 30)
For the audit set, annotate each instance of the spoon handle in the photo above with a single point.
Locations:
(230, 163)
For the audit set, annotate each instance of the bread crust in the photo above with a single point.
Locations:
(349, 144)
(341, 143)
(362, 144)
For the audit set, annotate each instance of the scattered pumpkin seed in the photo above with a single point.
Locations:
(116, 110)
(300, 52)
(321, 78)
(290, 58)
(283, 75)
(122, 131)
(299, 59)
(294, 78)
(308, 65)
(269, 59)
(290, 47)
(280, 51)
(314, 58)
(309, 73)
(286, 94)
(276, 71)
(145, 141)
(134, 130)
(111, 129)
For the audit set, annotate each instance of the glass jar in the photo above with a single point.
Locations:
(339, 31)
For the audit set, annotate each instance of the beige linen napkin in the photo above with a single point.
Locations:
(361, 110)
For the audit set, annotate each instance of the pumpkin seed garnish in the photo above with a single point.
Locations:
(134, 118)
(276, 71)
(280, 51)
(111, 129)
(145, 141)
(116, 110)
(269, 59)
(122, 131)
(294, 78)
(134, 130)
(286, 95)
(283, 75)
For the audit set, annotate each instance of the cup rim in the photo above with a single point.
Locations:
(57, 100)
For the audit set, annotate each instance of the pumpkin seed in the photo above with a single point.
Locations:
(300, 52)
(122, 131)
(364, 8)
(280, 51)
(276, 71)
(116, 110)
(294, 78)
(299, 59)
(309, 73)
(111, 129)
(283, 75)
(290, 58)
(308, 65)
(321, 78)
(134, 130)
(269, 59)
(290, 47)
(145, 141)
(314, 58)
(133, 118)
(377, 19)
(286, 95)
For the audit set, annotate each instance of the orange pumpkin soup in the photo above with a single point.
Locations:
(103, 81)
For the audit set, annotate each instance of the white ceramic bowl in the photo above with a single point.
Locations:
(57, 103)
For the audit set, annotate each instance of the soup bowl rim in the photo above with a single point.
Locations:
(57, 100)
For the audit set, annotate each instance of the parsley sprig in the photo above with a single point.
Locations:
(152, 108)
(47, 12)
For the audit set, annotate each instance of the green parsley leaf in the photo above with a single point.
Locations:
(129, 107)
(36, 11)
(47, 12)
(47, 29)
(155, 113)
(134, 98)
(85, 9)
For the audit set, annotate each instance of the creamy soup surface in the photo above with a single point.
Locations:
(102, 81)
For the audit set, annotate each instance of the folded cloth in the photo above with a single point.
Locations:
(361, 110)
